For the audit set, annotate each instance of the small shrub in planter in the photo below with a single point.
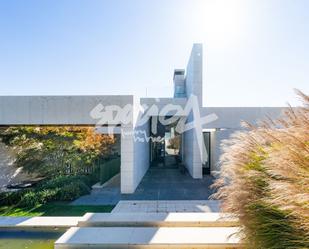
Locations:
(73, 190)
(47, 195)
(55, 183)
(85, 179)
(30, 199)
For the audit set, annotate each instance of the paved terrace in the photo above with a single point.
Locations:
(157, 185)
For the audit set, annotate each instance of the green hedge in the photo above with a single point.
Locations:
(63, 181)
(64, 188)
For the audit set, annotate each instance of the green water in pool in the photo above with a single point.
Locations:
(28, 240)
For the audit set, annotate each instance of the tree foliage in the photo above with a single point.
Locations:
(56, 150)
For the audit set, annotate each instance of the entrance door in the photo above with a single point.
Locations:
(206, 166)
(165, 146)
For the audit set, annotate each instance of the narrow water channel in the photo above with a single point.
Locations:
(28, 240)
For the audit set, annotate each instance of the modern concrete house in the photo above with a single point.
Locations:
(155, 132)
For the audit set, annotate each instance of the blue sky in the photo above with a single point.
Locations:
(255, 52)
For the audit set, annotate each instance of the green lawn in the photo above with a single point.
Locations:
(54, 209)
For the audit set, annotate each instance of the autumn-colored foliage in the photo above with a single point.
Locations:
(57, 150)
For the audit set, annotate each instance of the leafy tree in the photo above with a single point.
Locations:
(174, 143)
(57, 150)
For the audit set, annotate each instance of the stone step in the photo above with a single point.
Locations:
(157, 220)
(160, 206)
(149, 237)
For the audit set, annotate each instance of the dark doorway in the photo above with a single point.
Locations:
(207, 165)
(165, 145)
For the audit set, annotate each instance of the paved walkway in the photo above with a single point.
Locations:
(171, 184)
(108, 195)
(157, 184)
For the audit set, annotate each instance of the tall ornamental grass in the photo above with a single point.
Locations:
(265, 180)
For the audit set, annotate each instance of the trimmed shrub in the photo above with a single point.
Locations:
(12, 198)
(63, 188)
(73, 190)
(30, 199)
(61, 181)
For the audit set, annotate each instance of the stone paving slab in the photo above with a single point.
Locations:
(171, 184)
(167, 206)
(148, 237)
(38, 222)
(156, 185)
(103, 196)
(158, 220)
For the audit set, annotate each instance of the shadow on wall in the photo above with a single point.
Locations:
(9, 173)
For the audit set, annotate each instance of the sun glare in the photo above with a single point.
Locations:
(219, 22)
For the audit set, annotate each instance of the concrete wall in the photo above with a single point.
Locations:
(194, 83)
(228, 117)
(127, 160)
(141, 152)
(58, 110)
(135, 149)
(161, 103)
(217, 137)
(231, 117)
(194, 73)
(134, 157)
(192, 156)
